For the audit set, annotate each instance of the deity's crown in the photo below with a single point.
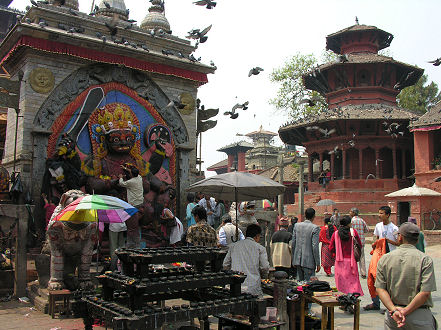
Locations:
(116, 116)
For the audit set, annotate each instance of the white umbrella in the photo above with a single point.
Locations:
(413, 191)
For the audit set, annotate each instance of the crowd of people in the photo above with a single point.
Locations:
(399, 275)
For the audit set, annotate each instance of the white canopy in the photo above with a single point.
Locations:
(413, 191)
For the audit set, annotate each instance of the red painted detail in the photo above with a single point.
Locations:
(103, 57)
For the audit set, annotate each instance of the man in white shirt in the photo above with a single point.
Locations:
(386, 229)
(227, 233)
(135, 197)
(249, 257)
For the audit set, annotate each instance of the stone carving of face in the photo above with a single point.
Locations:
(42, 80)
(120, 141)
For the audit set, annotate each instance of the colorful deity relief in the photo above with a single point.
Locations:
(112, 126)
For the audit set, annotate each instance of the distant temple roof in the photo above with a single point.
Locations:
(222, 163)
(261, 131)
(241, 145)
(430, 118)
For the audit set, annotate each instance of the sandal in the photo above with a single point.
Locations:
(371, 307)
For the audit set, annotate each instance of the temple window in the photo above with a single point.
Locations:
(364, 78)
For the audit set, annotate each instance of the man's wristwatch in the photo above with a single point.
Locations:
(392, 313)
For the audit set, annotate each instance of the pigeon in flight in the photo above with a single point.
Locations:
(401, 83)
(326, 133)
(243, 106)
(255, 71)
(233, 114)
(177, 104)
(311, 102)
(199, 35)
(436, 62)
(208, 3)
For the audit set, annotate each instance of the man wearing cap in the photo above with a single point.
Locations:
(405, 280)
(421, 245)
(281, 247)
(247, 217)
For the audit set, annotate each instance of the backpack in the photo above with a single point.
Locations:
(356, 247)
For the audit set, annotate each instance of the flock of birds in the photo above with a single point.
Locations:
(200, 36)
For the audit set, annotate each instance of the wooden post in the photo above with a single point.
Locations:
(280, 287)
(403, 164)
(360, 163)
(394, 160)
(377, 163)
(310, 170)
(280, 200)
(301, 198)
(343, 176)
(332, 166)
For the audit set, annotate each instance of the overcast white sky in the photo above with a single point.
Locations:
(248, 33)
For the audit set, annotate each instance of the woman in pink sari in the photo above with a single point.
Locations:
(346, 269)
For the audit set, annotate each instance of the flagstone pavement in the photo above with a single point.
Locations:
(17, 315)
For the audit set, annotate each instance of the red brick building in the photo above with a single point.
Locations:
(362, 138)
(427, 137)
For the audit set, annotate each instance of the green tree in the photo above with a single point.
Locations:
(292, 92)
(419, 97)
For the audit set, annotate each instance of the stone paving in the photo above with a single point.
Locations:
(16, 315)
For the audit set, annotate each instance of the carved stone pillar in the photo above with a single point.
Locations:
(280, 287)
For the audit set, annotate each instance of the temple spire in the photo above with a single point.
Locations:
(113, 8)
(155, 19)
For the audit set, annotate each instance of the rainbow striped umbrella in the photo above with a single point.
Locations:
(93, 208)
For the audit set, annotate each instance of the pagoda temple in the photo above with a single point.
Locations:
(362, 137)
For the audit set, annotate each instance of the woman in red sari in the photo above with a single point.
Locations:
(327, 258)
(346, 269)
